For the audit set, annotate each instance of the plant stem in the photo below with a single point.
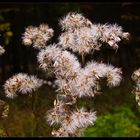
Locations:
(83, 59)
(34, 103)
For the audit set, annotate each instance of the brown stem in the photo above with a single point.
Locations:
(83, 59)
(34, 102)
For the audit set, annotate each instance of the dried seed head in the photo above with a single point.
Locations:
(21, 83)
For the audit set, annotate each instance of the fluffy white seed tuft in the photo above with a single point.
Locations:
(21, 83)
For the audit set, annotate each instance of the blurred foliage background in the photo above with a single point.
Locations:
(117, 112)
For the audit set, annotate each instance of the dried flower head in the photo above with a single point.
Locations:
(37, 36)
(21, 83)
(78, 119)
(109, 33)
(86, 81)
(73, 21)
(136, 77)
(47, 57)
(83, 39)
(61, 62)
(80, 40)
(57, 114)
(73, 123)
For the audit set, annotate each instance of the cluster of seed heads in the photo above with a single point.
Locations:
(72, 81)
